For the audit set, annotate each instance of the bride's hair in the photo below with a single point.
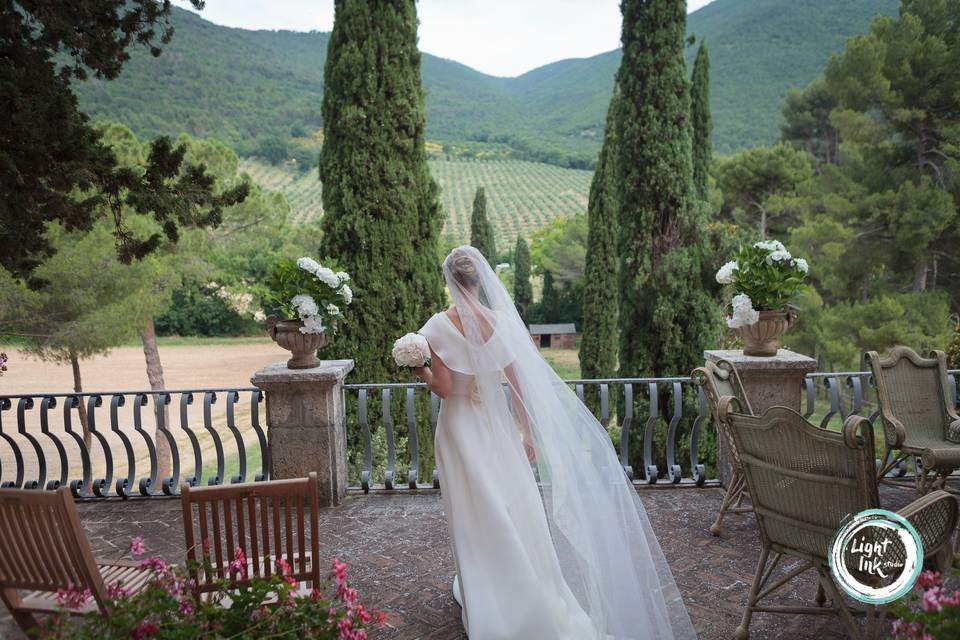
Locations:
(460, 263)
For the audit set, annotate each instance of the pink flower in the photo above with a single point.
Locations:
(380, 617)
(137, 546)
(239, 564)
(116, 591)
(930, 601)
(340, 571)
(144, 630)
(72, 598)
(283, 568)
(186, 608)
(928, 579)
(205, 545)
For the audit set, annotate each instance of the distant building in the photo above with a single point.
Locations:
(557, 336)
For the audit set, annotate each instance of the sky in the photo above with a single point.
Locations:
(498, 37)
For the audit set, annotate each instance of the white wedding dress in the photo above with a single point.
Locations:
(563, 553)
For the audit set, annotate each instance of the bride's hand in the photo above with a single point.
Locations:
(529, 449)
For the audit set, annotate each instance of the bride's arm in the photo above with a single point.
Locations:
(516, 399)
(437, 376)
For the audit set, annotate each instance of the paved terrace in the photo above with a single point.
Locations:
(399, 554)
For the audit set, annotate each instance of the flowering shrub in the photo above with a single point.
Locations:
(938, 614)
(307, 291)
(765, 277)
(3, 363)
(168, 609)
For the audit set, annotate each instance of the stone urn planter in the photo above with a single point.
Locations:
(762, 337)
(286, 333)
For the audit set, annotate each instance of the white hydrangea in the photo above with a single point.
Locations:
(328, 277)
(411, 350)
(312, 324)
(802, 265)
(770, 245)
(743, 312)
(305, 305)
(343, 276)
(259, 315)
(780, 255)
(725, 273)
(347, 293)
(333, 309)
(308, 264)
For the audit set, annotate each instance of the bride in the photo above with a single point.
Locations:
(561, 552)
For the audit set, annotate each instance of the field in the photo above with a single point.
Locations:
(521, 196)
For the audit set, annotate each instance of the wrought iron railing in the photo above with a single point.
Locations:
(135, 442)
(146, 443)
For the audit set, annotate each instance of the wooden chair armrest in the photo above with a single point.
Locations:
(855, 426)
(934, 516)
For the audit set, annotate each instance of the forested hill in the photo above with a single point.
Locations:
(247, 86)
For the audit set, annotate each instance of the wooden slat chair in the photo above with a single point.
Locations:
(719, 379)
(804, 481)
(918, 415)
(267, 520)
(43, 549)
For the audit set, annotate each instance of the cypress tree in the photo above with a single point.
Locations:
(481, 231)
(666, 317)
(598, 346)
(550, 300)
(522, 289)
(702, 122)
(382, 214)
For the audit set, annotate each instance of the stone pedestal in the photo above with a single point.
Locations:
(306, 424)
(769, 382)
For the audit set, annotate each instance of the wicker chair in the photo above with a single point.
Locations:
(918, 416)
(804, 481)
(719, 379)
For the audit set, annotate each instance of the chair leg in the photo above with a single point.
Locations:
(24, 619)
(743, 631)
(853, 629)
(731, 499)
(821, 597)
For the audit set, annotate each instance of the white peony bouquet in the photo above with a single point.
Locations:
(307, 291)
(765, 277)
(411, 350)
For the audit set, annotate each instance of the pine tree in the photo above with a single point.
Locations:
(481, 231)
(382, 215)
(666, 318)
(522, 289)
(598, 347)
(702, 123)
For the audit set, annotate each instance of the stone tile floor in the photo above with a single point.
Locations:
(400, 560)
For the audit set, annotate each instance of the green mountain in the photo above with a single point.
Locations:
(244, 86)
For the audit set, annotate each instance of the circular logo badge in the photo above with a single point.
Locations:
(876, 556)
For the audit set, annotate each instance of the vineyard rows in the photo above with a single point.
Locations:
(521, 196)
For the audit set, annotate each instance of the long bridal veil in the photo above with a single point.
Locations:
(608, 552)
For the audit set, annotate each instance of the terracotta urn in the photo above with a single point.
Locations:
(762, 337)
(287, 334)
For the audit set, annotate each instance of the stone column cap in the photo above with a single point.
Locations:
(784, 360)
(329, 372)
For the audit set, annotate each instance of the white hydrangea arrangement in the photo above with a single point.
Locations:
(764, 277)
(411, 350)
(307, 291)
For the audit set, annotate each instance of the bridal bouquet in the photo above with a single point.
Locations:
(765, 277)
(411, 351)
(307, 291)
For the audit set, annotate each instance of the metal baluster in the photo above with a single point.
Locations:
(698, 470)
(171, 484)
(146, 484)
(209, 399)
(101, 486)
(413, 474)
(674, 473)
(5, 405)
(186, 399)
(23, 406)
(256, 396)
(650, 469)
(233, 397)
(123, 485)
(391, 449)
(579, 387)
(367, 469)
(604, 404)
(625, 429)
(810, 393)
(833, 385)
(50, 402)
(79, 488)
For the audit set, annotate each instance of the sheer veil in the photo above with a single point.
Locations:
(608, 552)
